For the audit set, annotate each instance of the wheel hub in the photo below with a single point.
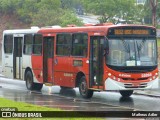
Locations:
(83, 87)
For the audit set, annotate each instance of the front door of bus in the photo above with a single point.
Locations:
(48, 53)
(17, 57)
(96, 60)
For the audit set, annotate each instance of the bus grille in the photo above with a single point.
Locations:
(130, 85)
(134, 79)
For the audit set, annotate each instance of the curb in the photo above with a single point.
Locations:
(2, 76)
(150, 95)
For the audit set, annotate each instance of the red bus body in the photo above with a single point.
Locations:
(69, 70)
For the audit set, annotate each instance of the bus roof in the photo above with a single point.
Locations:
(91, 28)
(20, 31)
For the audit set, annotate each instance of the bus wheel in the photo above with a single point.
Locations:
(126, 93)
(29, 81)
(83, 89)
(30, 84)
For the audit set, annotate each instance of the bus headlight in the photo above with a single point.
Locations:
(109, 74)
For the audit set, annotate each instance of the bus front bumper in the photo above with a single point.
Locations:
(111, 84)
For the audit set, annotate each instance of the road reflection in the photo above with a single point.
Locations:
(126, 101)
(68, 92)
(70, 99)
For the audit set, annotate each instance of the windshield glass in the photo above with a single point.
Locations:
(132, 52)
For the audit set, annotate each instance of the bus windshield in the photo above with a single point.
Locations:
(132, 52)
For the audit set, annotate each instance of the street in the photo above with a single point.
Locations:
(70, 99)
(89, 19)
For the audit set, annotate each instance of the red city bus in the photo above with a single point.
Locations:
(93, 58)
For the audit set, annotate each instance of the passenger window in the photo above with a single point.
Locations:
(80, 44)
(37, 44)
(63, 45)
(27, 49)
(8, 43)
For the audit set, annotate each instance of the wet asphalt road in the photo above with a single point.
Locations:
(70, 99)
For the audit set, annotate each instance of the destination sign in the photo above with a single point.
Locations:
(131, 32)
(128, 31)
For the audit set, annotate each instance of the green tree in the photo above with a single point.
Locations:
(41, 12)
(112, 10)
(152, 11)
(158, 10)
(70, 4)
(50, 13)
(45, 17)
(73, 5)
(26, 9)
(153, 5)
(69, 18)
(125, 9)
(8, 6)
(139, 14)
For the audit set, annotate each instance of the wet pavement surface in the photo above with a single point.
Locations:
(70, 99)
(67, 99)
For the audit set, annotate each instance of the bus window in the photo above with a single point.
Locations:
(63, 44)
(37, 44)
(27, 44)
(80, 44)
(8, 43)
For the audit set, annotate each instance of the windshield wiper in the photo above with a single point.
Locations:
(141, 44)
(126, 45)
(137, 50)
(127, 48)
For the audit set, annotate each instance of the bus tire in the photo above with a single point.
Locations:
(29, 80)
(83, 89)
(126, 93)
(30, 84)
